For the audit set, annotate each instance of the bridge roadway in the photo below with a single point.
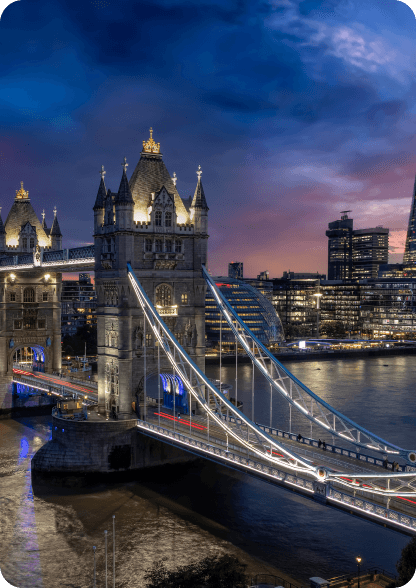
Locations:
(55, 385)
(218, 439)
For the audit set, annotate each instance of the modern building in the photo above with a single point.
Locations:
(263, 275)
(252, 307)
(356, 253)
(79, 304)
(409, 259)
(289, 275)
(340, 307)
(388, 307)
(236, 270)
(340, 235)
(296, 305)
(369, 250)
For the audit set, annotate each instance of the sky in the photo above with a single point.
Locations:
(295, 110)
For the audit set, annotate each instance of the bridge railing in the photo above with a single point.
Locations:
(271, 580)
(358, 503)
(330, 448)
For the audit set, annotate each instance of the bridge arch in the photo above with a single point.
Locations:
(39, 357)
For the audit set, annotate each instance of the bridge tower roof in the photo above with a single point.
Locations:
(20, 214)
(149, 176)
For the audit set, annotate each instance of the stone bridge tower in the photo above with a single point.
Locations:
(146, 223)
(30, 307)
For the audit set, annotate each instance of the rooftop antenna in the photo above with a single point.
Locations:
(344, 214)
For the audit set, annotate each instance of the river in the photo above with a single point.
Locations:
(186, 512)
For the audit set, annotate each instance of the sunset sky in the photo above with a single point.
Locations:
(294, 110)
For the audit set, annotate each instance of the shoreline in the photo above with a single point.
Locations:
(318, 355)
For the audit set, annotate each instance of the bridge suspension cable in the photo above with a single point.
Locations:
(296, 393)
(245, 432)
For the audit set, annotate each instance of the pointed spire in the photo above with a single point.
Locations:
(2, 229)
(55, 230)
(43, 221)
(124, 194)
(102, 192)
(199, 200)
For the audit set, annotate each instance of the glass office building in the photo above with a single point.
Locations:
(251, 306)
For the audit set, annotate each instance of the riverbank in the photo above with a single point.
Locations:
(319, 355)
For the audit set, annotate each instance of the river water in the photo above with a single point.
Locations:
(186, 512)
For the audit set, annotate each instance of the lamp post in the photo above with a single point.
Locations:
(359, 559)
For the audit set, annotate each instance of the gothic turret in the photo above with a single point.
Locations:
(100, 202)
(56, 235)
(199, 208)
(124, 203)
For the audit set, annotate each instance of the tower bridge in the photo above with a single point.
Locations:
(149, 257)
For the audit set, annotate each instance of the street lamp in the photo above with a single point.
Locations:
(317, 295)
(359, 559)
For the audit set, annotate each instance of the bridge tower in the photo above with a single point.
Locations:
(146, 223)
(30, 307)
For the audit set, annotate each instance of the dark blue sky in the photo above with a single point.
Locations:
(295, 111)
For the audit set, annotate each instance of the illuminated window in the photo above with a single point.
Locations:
(17, 324)
(28, 295)
(148, 340)
(158, 218)
(184, 298)
(29, 323)
(163, 295)
(168, 219)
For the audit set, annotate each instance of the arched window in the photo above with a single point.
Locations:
(25, 243)
(158, 245)
(148, 244)
(32, 243)
(158, 218)
(148, 340)
(168, 219)
(163, 295)
(177, 246)
(28, 295)
(184, 298)
(168, 246)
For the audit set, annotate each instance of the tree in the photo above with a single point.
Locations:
(211, 572)
(406, 565)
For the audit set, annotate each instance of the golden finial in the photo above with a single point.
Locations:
(22, 193)
(150, 146)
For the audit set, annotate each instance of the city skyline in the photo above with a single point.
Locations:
(295, 111)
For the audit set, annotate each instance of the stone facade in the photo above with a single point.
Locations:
(30, 307)
(147, 224)
(102, 447)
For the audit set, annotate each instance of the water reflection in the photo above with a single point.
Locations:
(199, 508)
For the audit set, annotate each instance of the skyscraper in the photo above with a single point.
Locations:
(340, 248)
(369, 251)
(409, 259)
